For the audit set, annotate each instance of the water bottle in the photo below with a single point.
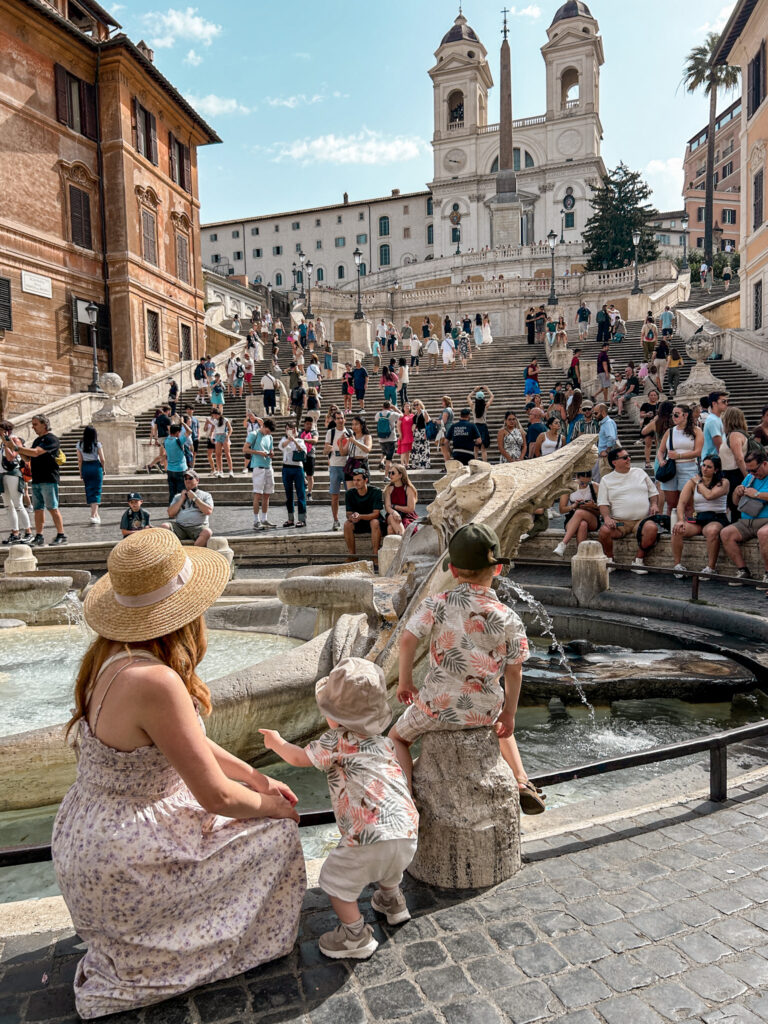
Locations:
(672, 519)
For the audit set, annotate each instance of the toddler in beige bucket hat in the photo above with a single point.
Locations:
(377, 818)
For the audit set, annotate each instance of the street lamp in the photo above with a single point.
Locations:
(293, 271)
(269, 297)
(636, 241)
(358, 260)
(93, 315)
(309, 268)
(302, 257)
(458, 242)
(562, 227)
(552, 239)
(684, 222)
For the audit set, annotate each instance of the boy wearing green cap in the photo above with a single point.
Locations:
(474, 639)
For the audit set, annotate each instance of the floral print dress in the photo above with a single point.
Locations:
(420, 449)
(166, 896)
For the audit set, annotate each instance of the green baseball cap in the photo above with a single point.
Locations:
(474, 547)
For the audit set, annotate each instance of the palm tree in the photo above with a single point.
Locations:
(700, 73)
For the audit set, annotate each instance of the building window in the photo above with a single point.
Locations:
(338, 218)
(213, 238)
(215, 258)
(319, 275)
(663, 239)
(756, 81)
(340, 242)
(406, 232)
(254, 231)
(80, 217)
(180, 165)
(319, 244)
(383, 226)
(149, 238)
(297, 247)
(699, 243)
(700, 214)
(185, 341)
(430, 206)
(715, 180)
(257, 279)
(277, 227)
(278, 280)
(258, 253)
(728, 216)
(81, 324)
(361, 215)
(570, 220)
(430, 234)
(363, 270)
(182, 257)
(727, 169)
(361, 239)
(340, 272)
(317, 222)
(75, 102)
(405, 209)
(757, 201)
(295, 225)
(153, 331)
(277, 250)
(456, 235)
(144, 132)
(237, 255)
(235, 234)
(6, 319)
(757, 306)
(299, 277)
(384, 256)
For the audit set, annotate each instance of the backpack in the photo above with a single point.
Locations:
(383, 428)
(297, 396)
(199, 372)
(431, 429)
(753, 445)
(240, 372)
(651, 335)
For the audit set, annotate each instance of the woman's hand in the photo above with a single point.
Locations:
(272, 787)
(276, 806)
(679, 527)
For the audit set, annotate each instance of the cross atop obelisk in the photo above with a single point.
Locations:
(505, 12)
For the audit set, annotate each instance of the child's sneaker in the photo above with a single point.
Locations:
(392, 904)
(342, 944)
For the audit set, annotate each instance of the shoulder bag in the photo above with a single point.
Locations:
(668, 470)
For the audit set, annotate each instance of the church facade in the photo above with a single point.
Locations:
(556, 157)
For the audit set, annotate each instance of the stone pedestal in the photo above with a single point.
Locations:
(116, 429)
(388, 552)
(469, 807)
(221, 544)
(700, 380)
(20, 560)
(589, 572)
(560, 356)
(360, 333)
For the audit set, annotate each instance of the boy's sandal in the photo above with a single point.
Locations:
(531, 799)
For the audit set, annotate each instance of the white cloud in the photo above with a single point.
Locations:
(666, 179)
(214, 106)
(303, 100)
(719, 23)
(365, 147)
(116, 8)
(166, 27)
(301, 55)
(193, 58)
(531, 11)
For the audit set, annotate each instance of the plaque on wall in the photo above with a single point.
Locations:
(36, 284)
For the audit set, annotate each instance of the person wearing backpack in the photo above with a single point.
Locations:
(386, 432)
(649, 337)
(239, 379)
(201, 377)
(46, 457)
(298, 401)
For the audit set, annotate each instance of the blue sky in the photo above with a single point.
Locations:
(315, 99)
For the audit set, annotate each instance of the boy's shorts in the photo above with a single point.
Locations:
(348, 869)
(414, 723)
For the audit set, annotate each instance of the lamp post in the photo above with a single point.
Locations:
(93, 315)
(458, 242)
(358, 260)
(552, 239)
(684, 222)
(269, 298)
(562, 227)
(302, 257)
(636, 241)
(309, 268)
(293, 271)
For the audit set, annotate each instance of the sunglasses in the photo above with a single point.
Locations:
(677, 415)
(620, 457)
(190, 477)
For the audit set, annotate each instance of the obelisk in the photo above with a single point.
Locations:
(506, 206)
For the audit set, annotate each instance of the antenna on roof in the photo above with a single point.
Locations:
(505, 30)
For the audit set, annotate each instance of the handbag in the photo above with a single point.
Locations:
(668, 470)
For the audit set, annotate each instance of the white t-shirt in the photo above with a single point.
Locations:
(268, 383)
(381, 332)
(404, 374)
(627, 494)
(415, 345)
(333, 437)
(580, 494)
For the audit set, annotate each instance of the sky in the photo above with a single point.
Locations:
(315, 99)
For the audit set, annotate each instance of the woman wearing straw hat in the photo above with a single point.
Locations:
(179, 863)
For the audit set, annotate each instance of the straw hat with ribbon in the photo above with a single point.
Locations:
(153, 586)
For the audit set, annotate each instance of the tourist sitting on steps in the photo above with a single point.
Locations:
(364, 507)
(190, 512)
(400, 497)
(628, 501)
(581, 511)
(375, 813)
(702, 510)
(474, 639)
(751, 497)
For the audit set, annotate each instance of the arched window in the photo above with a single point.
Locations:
(278, 280)
(529, 159)
(340, 272)
(430, 234)
(516, 157)
(569, 88)
(494, 166)
(383, 226)
(319, 275)
(430, 206)
(456, 107)
(384, 256)
(257, 279)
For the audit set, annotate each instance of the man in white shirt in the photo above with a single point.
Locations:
(381, 333)
(627, 498)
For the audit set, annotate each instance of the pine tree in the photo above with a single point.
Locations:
(620, 205)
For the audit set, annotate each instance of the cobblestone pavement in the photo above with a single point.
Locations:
(658, 917)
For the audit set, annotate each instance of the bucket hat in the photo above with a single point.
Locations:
(355, 696)
(153, 586)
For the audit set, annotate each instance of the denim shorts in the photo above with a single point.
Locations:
(45, 496)
(336, 479)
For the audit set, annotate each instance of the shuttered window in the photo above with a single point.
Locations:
(153, 331)
(80, 217)
(182, 257)
(757, 306)
(144, 132)
(757, 201)
(75, 102)
(185, 341)
(180, 165)
(6, 320)
(81, 329)
(149, 239)
(756, 85)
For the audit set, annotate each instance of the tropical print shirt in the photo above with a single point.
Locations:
(368, 790)
(472, 638)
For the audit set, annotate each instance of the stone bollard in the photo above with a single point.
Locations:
(221, 544)
(388, 552)
(589, 572)
(20, 560)
(469, 807)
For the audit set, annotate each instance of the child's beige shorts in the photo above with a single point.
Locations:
(348, 869)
